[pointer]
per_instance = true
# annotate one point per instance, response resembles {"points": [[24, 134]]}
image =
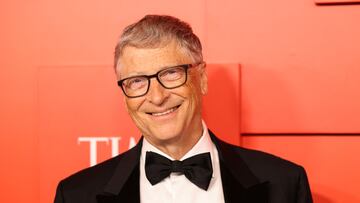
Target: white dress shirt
{"points": [[177, 188]]}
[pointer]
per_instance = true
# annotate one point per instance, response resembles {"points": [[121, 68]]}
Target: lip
{"points": [[166, 116]]}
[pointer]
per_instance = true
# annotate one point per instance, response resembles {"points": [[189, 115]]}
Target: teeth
{"points": [[165, 112]]}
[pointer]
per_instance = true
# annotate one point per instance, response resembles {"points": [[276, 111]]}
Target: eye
{"points": [[135, 83], [172, 74]]}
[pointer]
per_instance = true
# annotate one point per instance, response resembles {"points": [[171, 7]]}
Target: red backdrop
{"points": [[298, 94]]}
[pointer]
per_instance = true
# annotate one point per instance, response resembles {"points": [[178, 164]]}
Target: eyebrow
{"points": [[134, 74]]}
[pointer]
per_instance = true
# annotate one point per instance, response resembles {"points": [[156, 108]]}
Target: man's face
{"points": [[163, 115]]}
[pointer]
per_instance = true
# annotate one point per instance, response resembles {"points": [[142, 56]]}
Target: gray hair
{"points": [[154, 31]]}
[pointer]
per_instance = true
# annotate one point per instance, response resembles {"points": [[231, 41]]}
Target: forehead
{"points": [[135, 61]]}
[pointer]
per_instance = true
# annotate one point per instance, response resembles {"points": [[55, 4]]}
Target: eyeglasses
{"points": [[169, 78]]}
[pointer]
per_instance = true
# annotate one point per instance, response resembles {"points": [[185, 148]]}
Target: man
{"points": [[161, 72]]}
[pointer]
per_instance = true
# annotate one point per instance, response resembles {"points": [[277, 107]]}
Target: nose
{"points": [[157, 94]]}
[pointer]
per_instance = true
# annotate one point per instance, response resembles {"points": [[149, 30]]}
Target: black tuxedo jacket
{"points": [[248, 176]]}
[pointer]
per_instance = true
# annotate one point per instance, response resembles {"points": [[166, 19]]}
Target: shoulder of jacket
{"points": [[100, 173]]}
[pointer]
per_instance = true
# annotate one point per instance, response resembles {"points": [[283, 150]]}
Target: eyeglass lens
{"points": [[169, 78]]}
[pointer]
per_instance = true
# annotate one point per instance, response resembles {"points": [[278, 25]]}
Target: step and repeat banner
{"points": [[299, 87]]}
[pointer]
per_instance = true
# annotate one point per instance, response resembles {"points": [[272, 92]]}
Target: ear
{"points": [[203, 79]]}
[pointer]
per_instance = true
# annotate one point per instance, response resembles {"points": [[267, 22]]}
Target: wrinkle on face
{"points": [[174, 133]]}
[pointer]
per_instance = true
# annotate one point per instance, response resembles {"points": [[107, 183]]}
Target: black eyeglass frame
{"points": [[156, 75]]}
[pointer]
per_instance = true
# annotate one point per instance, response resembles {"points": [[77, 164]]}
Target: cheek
{"points": [[132, 105], [194, 95]]}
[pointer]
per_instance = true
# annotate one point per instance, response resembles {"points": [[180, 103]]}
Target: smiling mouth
{"points": [[168, 111]]}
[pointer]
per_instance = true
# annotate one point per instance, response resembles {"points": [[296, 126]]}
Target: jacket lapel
{"points": [[124, 184], [239, 183]]}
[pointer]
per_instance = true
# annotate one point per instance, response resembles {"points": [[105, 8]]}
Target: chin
{"points": [[164, 135]]}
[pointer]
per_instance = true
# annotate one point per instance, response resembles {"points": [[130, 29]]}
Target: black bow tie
{"points": [[197, 169]]}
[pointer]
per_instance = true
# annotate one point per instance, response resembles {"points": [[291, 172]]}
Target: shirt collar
{"points": [[203, 145]]}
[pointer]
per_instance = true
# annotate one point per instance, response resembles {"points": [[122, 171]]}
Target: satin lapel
{"points": [[124, 184], [239, 183]]}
